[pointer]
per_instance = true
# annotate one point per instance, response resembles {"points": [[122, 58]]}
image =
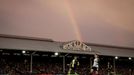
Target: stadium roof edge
{"points": [[109, 46], [25, 37], [44, 45], [50, 40]]}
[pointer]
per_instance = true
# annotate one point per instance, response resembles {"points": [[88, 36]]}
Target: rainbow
{"points": [[73, 21]]}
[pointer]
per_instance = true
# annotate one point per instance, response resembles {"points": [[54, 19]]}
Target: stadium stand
{"points": [[14, 62]]}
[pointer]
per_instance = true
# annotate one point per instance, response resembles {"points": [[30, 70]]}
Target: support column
{"points": [[31, 62], [114, 64], [64, 64], [31, 66]]}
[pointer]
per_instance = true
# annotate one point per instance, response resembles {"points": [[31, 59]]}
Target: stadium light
{"points": [[56, 53], [23, 52], [116, 57], [129, 58]]}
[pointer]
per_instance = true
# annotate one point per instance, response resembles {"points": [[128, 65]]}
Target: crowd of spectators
{"points": [[10, 66], [20, 65]]}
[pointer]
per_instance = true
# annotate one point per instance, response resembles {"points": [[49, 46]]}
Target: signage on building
{"points": [[76, 45]]}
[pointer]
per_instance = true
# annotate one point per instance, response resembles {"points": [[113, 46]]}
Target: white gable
{"points": [[76, 45]]}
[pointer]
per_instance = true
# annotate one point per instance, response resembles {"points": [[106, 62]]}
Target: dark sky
{"points": [[108, 22]]}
